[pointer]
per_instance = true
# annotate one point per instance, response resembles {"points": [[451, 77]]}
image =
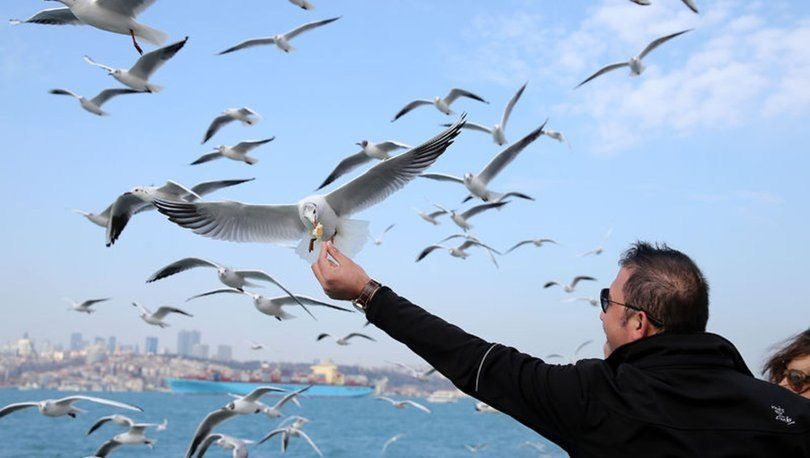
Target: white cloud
{"points": [[738, 64]]}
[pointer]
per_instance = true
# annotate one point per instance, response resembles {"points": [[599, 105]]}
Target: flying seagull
{"points": [[461, 250], [238, 446], [345, 339], [368, 152], [237, 152], [134, 436], [273, 305], [421, 375], [556, 135], [303, 4], [94, 105], [636, 67], [84, 306], [378, 240], [275, 410], [442, 105], [599, 249], [286, 433], [587, 299], [64, 406], [122, 420], [138, 200], [402, 404], [391, 441], [430, 217], [255, 345], [497, 131], [244, 405], [315, 218], [282, 41], [137, 77], [570, 287], [689, 3], [573, 358], [475, 448], [233, 278], [244, 115], [478, 184], [461, 218], [536, 242], [117, 16], [156, 319]]}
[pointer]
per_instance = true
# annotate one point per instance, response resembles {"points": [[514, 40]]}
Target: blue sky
{"points": [[705, 151]]}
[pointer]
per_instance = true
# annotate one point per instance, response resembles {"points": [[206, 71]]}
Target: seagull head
{"points": [[362, 143], [230, 406], [310, 213], [468, 177]]}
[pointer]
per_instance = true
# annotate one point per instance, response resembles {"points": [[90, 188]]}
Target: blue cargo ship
{"points": [[197, 386]]}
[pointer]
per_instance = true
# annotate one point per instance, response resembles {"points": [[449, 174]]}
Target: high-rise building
{"points": [[76, 342], [224, 352], [151, 345], [199, 351], [186, 341], [111, 342]]}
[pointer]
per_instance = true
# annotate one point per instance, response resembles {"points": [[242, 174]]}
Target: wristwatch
{"points": [[366, 294]]}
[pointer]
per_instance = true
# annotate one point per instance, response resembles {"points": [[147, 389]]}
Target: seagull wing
{"points": [[216, 124], [235, 221], [658, 42], [289, 396], [106, 448], [519, 244], [244, 147], [261, 391], [308, 26], [437, 213], [126, 205], [209, 439], [64, 92], [580, 278], [417, 405], [129, 8], [181, 266], [345, 166], [357, 334], [604, 70], [691, 5], [53, 16], [456, 236], [99, 423], [410, 106], [153, 60], [390, 175], [271, 434], [218, 291], [322, 336], [508, 110], [502, 159], [249, 44], [475, 126], [209, 422], [387, 229], [581, 346], [90, 302], [107, 94], [519, 195], [161, 312], [427, 251], [208, 157], [207, 187], [312, 444], [259, 275], [391, 145], [442, 176], [107, 402], [469, 213], [17, 406], [288, 300], [455, 93], [390, 441], [92, 62], [550, 284]]}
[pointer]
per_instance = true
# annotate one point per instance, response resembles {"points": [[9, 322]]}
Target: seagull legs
{"points": [[134, 42]]}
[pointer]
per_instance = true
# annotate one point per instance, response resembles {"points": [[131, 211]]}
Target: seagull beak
{"points": [[358, 144]]}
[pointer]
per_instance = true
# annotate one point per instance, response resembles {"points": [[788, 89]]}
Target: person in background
{"points": [[790, 366]]}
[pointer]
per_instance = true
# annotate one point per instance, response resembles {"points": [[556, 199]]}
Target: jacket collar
{"points": [[669, 349]]}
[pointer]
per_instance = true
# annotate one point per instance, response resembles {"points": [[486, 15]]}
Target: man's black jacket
{"points": [[666, 395]]}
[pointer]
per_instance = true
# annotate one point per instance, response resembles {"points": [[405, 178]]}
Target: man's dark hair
{"points": [[668, 285], [795, 347]]}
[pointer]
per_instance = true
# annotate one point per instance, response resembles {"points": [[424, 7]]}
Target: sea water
{"points": [[340, 427]]}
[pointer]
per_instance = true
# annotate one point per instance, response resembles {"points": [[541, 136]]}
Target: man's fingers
{"points": [[335, 253], [316, 269]]}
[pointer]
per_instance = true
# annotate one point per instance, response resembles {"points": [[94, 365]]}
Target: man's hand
{"points": [[344, 280]]}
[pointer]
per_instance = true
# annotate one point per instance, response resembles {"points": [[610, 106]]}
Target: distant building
{"points": [[151, 345], [199, 351], [111, 342], [224, 352], [186, 340], [25, 346], [76, 342], [100, 341], [327, 372]]}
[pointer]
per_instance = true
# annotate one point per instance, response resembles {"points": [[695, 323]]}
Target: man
{"points": [[665, 387]]}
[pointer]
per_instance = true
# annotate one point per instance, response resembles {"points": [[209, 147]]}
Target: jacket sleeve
{"points": [[545, 397]]}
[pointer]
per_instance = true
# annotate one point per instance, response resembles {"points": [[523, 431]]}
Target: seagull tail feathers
{"points": [[153, 88], [154, 36]]}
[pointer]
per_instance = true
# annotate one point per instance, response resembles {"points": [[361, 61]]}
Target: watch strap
{"points": [[366, 294]]}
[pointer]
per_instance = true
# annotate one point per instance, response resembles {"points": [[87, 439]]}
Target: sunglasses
{"points": [[604, 299], [797, 380]]}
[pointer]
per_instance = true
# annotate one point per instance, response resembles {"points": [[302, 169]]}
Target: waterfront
{"points": [[340, 427]]}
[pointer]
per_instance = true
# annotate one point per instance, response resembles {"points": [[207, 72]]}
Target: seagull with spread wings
{"points": [[461, 250], [273, 305], [430, 217], [536, 242], [156, 318], [84, 306], [238, 152], [689, 3], [64, 406], [137, 77], [497, 131], [368, 152], [315, 218], [244, 115], [461, 219], [379, 240], [117, 16], [343, 341], [94, 105], [441, 104], [569, 288], [282, 40], [636, 67], [402, 404], [478, 185], [237, 446]]}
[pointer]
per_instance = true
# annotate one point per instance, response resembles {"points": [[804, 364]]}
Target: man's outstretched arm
{"points": [[546, 398]]}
